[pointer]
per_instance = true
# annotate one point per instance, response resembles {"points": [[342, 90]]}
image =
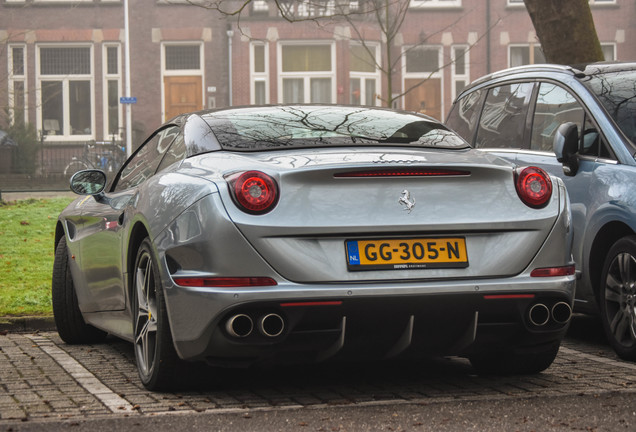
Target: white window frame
{"points": [[65, 79], [307, 76], [436, 4], [421, 75], [456, 77], [180, 72], [530, 46], [614, 46], [17, 78], [259, 76], [519, 3], [364, 77], [110, 77]]}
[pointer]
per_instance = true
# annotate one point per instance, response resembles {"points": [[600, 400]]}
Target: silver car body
{"points": [[329, 309]]}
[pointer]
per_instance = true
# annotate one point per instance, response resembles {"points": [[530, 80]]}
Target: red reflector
{"points": [[315, 303], [225, 282], [404, 172], [553, 271], [508, 296]]}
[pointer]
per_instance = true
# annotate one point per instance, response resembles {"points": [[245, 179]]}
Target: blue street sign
{"points": [[128, 100]]}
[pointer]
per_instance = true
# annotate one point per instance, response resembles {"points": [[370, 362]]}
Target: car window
{"points": [[555, 106], [463, 117], [592, 142], [143, 164], [305, 126], [175, 153], [615, 90], [503, 117]]}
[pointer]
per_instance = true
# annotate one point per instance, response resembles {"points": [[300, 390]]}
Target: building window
{"points": [[435, 3], [259, 77], [520, 55], [260, 7], [422, 80], [307, 73], [112, 92], [183, 57], [609, 51], [17, 82], [460, 69], [364, 75], [592, 2], [66, 87]]}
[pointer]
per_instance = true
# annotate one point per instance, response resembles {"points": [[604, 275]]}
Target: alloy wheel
{"points": [[146, 314], [620, 299]]}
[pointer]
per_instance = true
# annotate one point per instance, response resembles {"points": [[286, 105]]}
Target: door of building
{"points": [[183, 94], [426, 98]]}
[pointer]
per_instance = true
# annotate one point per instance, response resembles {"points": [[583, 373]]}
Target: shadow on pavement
{"points": [[587, 328]]}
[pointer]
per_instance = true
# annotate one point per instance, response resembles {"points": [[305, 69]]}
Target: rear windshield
{"points": [[284, 127], [617, 93]]}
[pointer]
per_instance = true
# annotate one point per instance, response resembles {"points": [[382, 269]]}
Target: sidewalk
{"points": [[23, 324], [18, 196]]}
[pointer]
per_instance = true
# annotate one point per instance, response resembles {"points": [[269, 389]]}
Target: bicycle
{"points": [[107, 156]]}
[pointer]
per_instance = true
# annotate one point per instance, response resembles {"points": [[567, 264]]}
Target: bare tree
{"points": [[370, 22], [566, 30]]}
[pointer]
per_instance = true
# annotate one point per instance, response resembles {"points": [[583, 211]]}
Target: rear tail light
{"points": [[253, 191], [534, 186]]}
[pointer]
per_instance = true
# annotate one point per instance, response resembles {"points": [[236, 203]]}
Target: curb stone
{"points": [[26, 324]]}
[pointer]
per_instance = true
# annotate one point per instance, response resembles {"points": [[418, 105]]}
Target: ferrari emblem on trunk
{"points": [[406, 200]]}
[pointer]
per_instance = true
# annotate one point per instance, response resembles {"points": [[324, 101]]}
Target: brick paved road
{"points": [[41, 378]]}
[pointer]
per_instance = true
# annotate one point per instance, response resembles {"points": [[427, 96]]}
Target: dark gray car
{"points": [[578, 124]]}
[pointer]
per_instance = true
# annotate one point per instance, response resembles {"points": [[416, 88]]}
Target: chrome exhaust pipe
{"points": [[239, 326], [271, 325], [539, 314], [561, 312]]}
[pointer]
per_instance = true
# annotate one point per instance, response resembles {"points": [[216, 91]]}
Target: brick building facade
{"points": [[65, 63]]}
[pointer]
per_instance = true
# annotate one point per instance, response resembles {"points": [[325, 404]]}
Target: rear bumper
{"points": [[321, 323]]}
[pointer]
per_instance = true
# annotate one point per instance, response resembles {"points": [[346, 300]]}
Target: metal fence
{"points": [[52, 164]]}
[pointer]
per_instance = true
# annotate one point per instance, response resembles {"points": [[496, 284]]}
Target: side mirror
{"points": [[88, 182], [566, 146]]}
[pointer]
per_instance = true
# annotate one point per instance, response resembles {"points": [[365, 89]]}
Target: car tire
{"points": [[157, 360], [617, 297], [68, 318], [514, 363]]}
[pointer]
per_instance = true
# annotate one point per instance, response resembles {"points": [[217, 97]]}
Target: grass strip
{"points": [[27, 233]]}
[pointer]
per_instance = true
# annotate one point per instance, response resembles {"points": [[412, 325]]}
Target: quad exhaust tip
{"points": [[561, 312], [540, 314], [271, 325], [239, 326]]}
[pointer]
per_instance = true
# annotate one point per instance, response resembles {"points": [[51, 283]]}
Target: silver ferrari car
{"points": [[266, 235]]}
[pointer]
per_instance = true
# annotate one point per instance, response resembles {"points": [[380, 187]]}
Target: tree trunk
{"points": [[566, 30]]}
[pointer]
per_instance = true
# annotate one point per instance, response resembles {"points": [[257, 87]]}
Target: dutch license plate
{"points": [[406, 254]]}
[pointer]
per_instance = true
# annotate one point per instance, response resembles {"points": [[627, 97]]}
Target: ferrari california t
{"points": [[267, 235]]}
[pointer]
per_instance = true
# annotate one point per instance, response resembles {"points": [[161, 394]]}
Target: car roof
{"points": [[578, 71]]}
